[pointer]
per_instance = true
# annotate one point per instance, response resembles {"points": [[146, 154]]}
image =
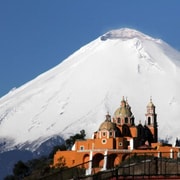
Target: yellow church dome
{"points": [[107, 124], [150, 104], [124, 110]]}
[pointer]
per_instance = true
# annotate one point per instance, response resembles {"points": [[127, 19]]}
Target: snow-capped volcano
{"points": [[77, 93]]}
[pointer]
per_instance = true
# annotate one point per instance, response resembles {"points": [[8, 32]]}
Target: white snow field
{"points": [[78, 93]]}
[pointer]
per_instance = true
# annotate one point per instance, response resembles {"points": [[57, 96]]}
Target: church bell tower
{"points": [[151, 120]]}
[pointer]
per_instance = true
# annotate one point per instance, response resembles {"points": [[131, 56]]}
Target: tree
{"points": [[38, 164], [20, 169], [72, 139], [56, 148], [83, 134], [10, 177]]}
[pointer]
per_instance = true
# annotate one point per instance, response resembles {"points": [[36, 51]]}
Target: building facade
{"points": [[115, 139]]}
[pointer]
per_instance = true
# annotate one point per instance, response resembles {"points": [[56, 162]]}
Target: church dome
{"points": [[124, 110], [107, 124], [150, 104]]}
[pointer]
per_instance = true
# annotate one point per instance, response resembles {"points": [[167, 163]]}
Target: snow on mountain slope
{"points": [[77, 93]]}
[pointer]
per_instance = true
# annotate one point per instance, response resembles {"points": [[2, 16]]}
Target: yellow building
{"points": [[115, 139]]}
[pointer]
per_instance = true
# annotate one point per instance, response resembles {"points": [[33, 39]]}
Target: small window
{"points": [[118, 120], [104, 141], [120, 143], [81, 148], [149, 121], [110, 133], [104, 134], [126, 120]]}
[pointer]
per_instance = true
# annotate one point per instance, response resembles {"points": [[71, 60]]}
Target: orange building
{"points": [[115, 139]]}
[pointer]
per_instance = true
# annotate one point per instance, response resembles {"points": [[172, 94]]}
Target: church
{"points": [[115, 139]]}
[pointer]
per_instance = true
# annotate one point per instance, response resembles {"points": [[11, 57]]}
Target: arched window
{"points": [[110, 134], [126, 120], [103, 134], [149, 120], [132, 121]]}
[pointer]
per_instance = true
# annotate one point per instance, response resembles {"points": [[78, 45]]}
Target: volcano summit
{"points": [[77, 93]]}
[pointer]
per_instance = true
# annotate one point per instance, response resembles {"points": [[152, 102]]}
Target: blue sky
{"points": [[36, 35]]}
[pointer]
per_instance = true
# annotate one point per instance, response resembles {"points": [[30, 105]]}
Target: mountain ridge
{"points": [[78, 92]]}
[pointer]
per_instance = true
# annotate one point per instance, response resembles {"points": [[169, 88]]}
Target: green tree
{"points": [[38, 164], [83, 134], [56, 148], [20, 169], [72, 139]]}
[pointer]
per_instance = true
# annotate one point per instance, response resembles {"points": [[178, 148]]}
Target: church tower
{"points": [[151, 120]]}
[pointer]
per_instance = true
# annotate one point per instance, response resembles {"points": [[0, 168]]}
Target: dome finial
{"points": [[108, 117], [123, 102], [127, 104], [151, 99], [150, 103]]}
